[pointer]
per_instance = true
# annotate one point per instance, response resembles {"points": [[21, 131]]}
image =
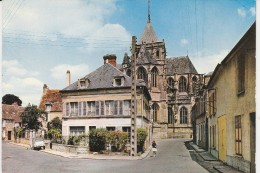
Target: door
{"points": [[222, 137], [252, 141], [9, 135]]}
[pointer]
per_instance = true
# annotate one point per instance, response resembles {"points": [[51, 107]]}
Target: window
{"points": [[170, 82], [109, 107], [241, 73], [77, 130], [126, 110], [91, 108], [154, 77], [102, 107], [238, 135], [110, 129], [182, 84], [183, 115], [115, 107], [74, 108], [157, 53], [212, 104], [92, 128], [155, 108], [170, 117], [141, 74], [214, 136], [128, 130]]}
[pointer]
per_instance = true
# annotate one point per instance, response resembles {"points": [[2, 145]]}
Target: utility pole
{"points": [[133, 100]]}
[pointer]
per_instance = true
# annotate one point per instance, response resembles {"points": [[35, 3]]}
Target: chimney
{"points": [[45, 89], [68, 78], [111, 59]]}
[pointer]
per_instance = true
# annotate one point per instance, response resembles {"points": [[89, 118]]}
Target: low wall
{"points": [[69, 148]]}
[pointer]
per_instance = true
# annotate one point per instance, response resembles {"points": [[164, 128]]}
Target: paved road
{"points": [[172, 157]]}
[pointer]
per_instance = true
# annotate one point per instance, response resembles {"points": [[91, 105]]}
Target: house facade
{"points": [[170, 81], [102, 99], [231, 107], [10, 120]]}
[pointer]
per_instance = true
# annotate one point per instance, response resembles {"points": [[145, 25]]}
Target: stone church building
{"points": [[171, 82]]}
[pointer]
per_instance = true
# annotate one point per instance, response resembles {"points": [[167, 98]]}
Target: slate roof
{"points": [[54, 97], [148, 35], [180, 65], [12, 112], [102, 78], [145, 58]]}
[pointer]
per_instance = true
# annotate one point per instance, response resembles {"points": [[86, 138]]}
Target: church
{"points": [[171, 81]]}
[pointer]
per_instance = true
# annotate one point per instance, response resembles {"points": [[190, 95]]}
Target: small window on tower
{"points": [[157, 54]]}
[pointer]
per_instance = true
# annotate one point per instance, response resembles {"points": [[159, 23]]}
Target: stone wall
{"points": [[69, 148], [239, 163]]}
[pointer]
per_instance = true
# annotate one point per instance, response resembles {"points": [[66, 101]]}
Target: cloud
{"points": [[14, 68], [241, 12], [109, 38], [21, 82], [207, 61], [184, 41], [28, 89], [77, 71], [252, 11]]}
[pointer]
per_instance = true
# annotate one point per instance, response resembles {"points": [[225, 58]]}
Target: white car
{"points": [[38, 143]]}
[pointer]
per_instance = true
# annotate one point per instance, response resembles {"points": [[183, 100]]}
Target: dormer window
{"points": [[83, 83], [118, 81]]}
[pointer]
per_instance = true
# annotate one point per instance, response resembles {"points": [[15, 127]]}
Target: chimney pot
{"points": [[68, 78], [110, 58]]}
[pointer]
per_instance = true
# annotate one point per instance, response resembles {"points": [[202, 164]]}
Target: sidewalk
{"points": [[211, 161], [89, 156]]}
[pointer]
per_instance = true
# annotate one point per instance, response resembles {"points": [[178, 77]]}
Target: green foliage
{"points": [[30, 117], [117, 139], [97, 139], [54, 134], [56, 123], [141, 137], [10, 99], [78, 140]]}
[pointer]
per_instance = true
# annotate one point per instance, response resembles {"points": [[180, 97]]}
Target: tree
{"points": [[10, 99], [30, 117], [55, 124]]}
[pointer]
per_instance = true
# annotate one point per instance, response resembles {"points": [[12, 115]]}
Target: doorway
{"points": [[252, 141], [9, 134], [222, 138]]}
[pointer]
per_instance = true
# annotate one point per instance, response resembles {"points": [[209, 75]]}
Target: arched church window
{"points": [[155, 108], [141, 74], [170, 82], [182, 84], [154, 77], [183, 115]]}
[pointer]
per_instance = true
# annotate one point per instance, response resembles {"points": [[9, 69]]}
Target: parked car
{"points": [[38, 143]]}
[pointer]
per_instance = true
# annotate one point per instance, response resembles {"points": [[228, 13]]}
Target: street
{"points": [[172, 157]]}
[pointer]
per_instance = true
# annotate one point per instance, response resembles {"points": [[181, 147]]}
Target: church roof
{"points": [[145, 58], [148, 36], [126, 59], [180, 65], [102, 78]]}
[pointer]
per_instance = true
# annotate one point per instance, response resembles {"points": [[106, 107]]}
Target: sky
{"points": [[41, 40]]}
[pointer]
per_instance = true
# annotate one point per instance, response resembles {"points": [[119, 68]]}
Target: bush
{"points": [[97, 139], [141, 137], [117, 139]]}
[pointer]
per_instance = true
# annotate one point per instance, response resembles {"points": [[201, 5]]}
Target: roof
{"points": [[102, 78], [180, 65], [126, 59], [148, 35], [52, 96], [12, 112], [145, 57]]}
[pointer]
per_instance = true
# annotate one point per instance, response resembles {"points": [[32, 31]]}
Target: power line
{"points": [[7, 21]]}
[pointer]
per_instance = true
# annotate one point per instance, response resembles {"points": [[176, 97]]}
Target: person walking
{"points": [[154, 148]]}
